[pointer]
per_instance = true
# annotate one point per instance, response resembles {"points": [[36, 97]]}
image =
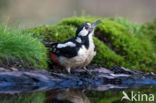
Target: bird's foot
{"points": [[68, 70], [85, 68]]}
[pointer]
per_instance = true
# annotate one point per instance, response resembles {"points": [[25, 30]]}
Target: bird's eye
{"points": [[87, 27]]}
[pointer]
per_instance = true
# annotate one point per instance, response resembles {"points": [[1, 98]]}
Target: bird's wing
{"points": [[61, 49], [67, 51]]}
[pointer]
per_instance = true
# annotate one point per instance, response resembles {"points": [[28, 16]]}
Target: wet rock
{"points": [[122, 70], [93, 79]]}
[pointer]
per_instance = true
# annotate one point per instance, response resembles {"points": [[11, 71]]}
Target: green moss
{"points": [[105, 54], [131, 27], [116, 43], [53, 33], [149, 29], [17, 48], [136, 51]]}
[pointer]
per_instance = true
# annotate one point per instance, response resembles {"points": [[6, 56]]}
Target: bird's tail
{"points": [[47, 44]]}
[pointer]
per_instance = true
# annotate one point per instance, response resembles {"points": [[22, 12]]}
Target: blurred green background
{"points": [[38, 12]]}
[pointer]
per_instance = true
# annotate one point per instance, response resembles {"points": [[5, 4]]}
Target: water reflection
{"points": [[75, 96], [68, 96]]}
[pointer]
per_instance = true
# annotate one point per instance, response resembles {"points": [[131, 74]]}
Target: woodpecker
{"points": [[76, 52]]}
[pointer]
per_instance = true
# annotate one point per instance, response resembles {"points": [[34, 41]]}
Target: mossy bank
{"points": [[21, 50], [118, 41]]}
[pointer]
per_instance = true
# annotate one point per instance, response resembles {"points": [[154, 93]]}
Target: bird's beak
{"points": [[93, 25]]}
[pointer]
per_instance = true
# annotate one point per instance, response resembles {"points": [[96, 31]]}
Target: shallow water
{"points": [[100, 94]]}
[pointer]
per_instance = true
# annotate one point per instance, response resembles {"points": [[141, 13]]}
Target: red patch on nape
{"points": [[54, 57]]}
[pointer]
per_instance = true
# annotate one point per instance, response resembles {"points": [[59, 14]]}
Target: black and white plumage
{"points": [[77, 51]]}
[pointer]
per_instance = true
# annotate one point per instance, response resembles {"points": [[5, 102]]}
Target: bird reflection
{"points": [[68, 96]]}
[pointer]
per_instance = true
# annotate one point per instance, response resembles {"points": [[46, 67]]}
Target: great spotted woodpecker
{"points": [[77, 51]]}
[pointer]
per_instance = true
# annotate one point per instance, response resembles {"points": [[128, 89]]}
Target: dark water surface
{"points": [[101, 94]]}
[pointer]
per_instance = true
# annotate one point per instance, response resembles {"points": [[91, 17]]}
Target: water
{"points": [[100, 94]]}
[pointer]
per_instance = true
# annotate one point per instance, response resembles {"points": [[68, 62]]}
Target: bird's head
{"points": [[87, 28]]}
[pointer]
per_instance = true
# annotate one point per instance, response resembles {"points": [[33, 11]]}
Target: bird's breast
{"points": [[86, 54]]}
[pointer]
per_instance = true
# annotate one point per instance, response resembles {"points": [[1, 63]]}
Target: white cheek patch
{"points": [[66, 44], [83, 32], [78, 40]]}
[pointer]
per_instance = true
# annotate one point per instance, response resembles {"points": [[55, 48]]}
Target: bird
{"points": [[76, 52]]}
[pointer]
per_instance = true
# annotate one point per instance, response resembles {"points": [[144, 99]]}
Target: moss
{"points": [[137, 53], [116, 43], [53, 33], [18, 49], [105, 54], [149, 29], [131, 27]]}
